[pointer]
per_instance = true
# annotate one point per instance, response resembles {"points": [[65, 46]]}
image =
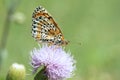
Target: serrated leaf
{"points": [[41, 74]]}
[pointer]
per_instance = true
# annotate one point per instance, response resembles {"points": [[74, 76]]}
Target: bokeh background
{"points": [[91, 26]]}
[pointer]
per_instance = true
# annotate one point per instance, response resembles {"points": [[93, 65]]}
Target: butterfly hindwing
{"points": [[45, 29]]}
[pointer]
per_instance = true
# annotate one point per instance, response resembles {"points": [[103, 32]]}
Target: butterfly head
{"points": [[65, 42]]}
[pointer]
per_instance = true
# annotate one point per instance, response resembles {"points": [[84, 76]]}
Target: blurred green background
{"points": [[91, 26]]}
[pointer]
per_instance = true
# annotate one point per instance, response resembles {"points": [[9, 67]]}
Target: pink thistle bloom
{"points": [[58, 64]]}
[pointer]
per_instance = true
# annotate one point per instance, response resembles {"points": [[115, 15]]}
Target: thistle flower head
{"points": [[58, 63]]}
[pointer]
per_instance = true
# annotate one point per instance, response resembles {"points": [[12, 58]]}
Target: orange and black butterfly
{"points": [[45, 29]]}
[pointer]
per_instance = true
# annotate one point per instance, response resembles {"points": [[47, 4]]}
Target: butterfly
{"points": [[45, 29]]}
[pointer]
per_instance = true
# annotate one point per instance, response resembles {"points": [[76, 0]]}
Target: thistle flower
{"points": [[58, 64]]}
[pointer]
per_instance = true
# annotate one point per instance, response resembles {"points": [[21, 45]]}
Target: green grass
{"points": [[91, 26]]}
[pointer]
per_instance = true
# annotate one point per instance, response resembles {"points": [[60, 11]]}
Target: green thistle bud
{"points": [[16, 72]]}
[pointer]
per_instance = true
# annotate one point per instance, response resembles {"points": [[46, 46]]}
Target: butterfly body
{"points": [[45, 29]]}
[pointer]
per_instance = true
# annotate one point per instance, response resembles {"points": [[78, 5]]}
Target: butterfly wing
{"points": [[44, 28]]}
